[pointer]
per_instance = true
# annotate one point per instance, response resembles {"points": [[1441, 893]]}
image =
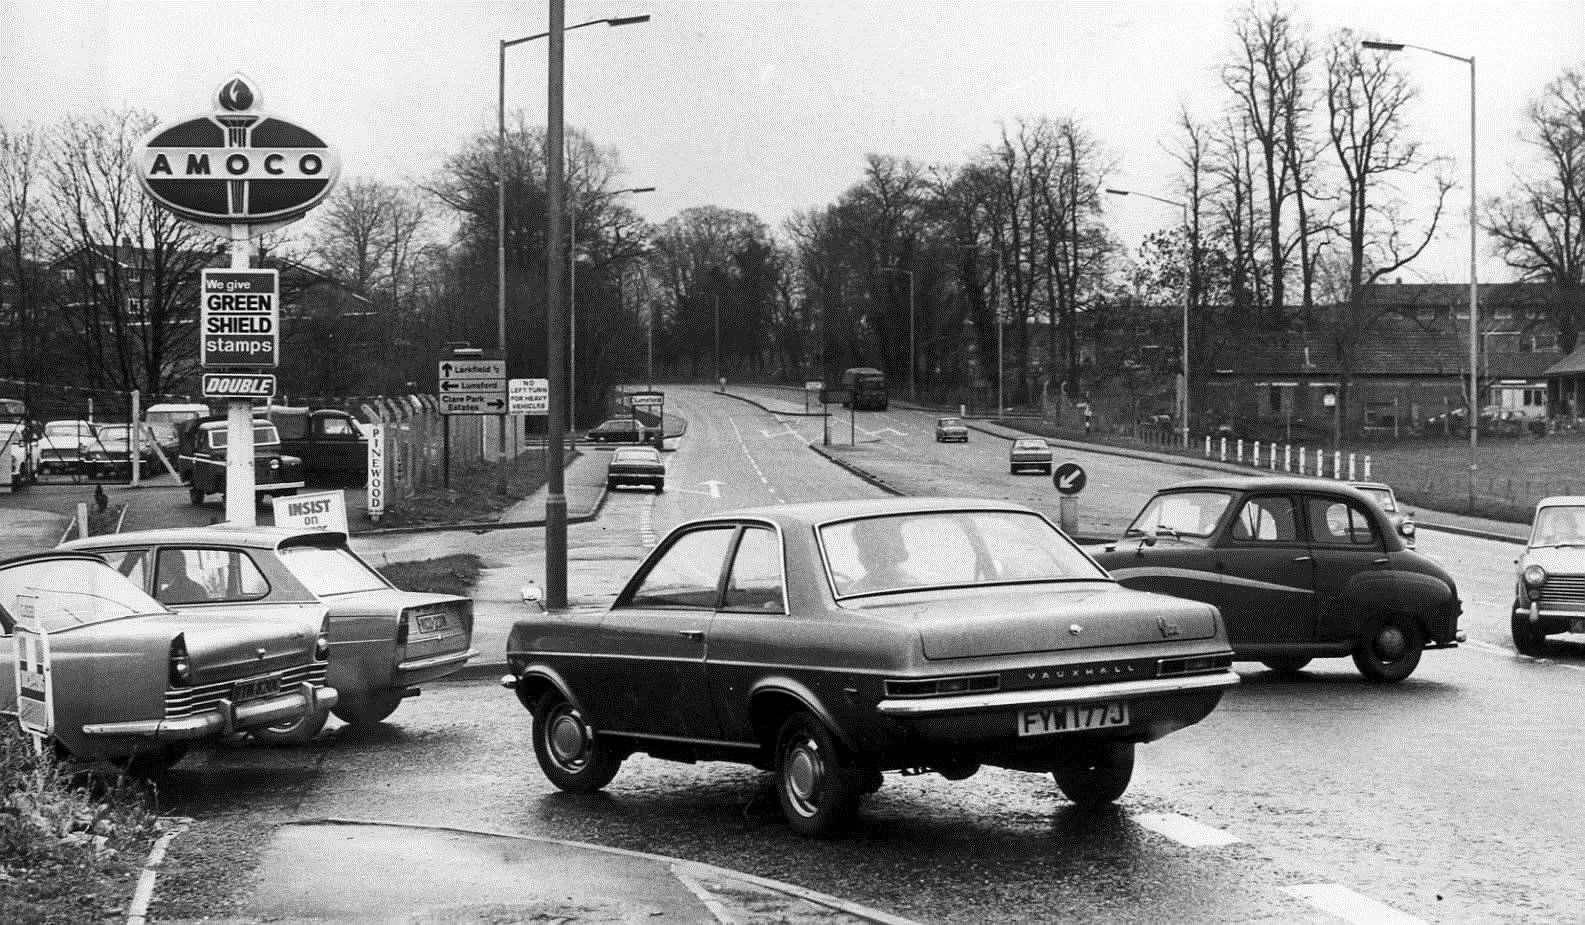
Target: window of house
{"points": [[1383, 414], [1535, 398], [68, 275]]}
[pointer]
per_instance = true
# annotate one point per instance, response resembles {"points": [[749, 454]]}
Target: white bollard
{"points": [[1207, 446], [1240, 451], [1367, 468], [1287, 457], [1351, 467], [1302, 454], [1254, 457], [1337, 464], [1223, 441]]}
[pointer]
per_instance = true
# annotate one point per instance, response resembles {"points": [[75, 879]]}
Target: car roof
{"points": [[811, 513], [1265, 483], [1561, 501], [223, 534]]}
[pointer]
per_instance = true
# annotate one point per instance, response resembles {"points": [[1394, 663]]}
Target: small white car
{"points": [[1549, 588], [1402, 520]]}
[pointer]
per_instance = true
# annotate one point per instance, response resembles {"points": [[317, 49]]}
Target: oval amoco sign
{"points": [[237, 165]]}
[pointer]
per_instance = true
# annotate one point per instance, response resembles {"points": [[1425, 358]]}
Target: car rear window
{"points": [[330, 570], [62, 593]]}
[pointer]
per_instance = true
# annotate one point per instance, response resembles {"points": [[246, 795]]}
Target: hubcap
{"points": [[1391, 644], [568, 739], [803, 773]]}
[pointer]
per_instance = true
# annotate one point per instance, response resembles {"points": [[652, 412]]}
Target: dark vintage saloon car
{"points": [[203, 461], [1549, 587], [132, 683], [383, 642], [1299, 568], [832, 641]]}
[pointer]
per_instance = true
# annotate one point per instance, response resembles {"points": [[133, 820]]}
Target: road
{"points": [[1441, 799]]}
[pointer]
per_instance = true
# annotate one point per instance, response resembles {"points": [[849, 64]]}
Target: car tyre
{"points": [[817, 787], [1528, 638], [153, 763], [367, 709], [1098, 775], [299, 731], [570, 752], [1391, 652], [1286, 665]]}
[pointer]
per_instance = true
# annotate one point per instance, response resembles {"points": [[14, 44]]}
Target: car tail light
{"points": [[935, 687], [401, 629], [181, 665], [1193, 664]]}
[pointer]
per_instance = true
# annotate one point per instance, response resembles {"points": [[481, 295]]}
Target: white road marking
{"points": [[786, 431], [138, 910], [1350, 906], [710, 902], [712, 489], [755, 463], [1186, 831]]}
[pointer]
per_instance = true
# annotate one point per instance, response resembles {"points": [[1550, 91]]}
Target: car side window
{"points": [[1335, 522], [335, 427], [132, 563], [201, 576], [688, 573], [755, 580], [1266, 519]]}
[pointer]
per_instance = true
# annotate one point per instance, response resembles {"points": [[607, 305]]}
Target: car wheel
{"points": [[569, 751], [1528, 637], [195, 495], [818, 790], [152, 763], [1391, 652], [299, 731], [1286, 665], [1098, 775], [367, 709]]}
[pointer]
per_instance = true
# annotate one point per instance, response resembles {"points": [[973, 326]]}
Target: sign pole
{"points": [[239, 419]]}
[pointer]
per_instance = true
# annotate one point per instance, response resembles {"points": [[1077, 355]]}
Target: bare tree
{"points": [[1540, 224], [22, 355]]}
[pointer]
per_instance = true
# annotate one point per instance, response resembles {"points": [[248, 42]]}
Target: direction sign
{"points": [[472, 368], [239, 317], [528, 396], [473, 385], [1069, 478], [239, 385]]}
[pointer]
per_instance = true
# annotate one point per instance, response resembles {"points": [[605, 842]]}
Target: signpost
{"points": [[239, 385], [237, 173], [376, 483], [472, 385], [35, 709], [326, 510], [528, 396], [1069, 479]]}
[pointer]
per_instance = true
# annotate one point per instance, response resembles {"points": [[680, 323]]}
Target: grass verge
{"points": [[447, 575], [477, 494]]}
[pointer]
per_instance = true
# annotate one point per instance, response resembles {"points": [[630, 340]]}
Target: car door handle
{"points": [[691, 634], [1303, 559]]}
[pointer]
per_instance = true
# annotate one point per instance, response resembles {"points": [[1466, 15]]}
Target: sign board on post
{"points": [[376, 482], [325, 510], [35, 711], [239, 385], [473, 385], [528, 396], [240, 318]]}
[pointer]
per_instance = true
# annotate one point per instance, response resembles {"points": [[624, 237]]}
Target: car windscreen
{"points": [[906, 552], [1180, 513], [62, 593], [1382, 497], [635, 456], [263, 435], [330, 570], [1561, 525]]}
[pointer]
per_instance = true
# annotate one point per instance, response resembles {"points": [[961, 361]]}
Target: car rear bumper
{"points": [[226, 718], [1088, 693], [419, 670]]}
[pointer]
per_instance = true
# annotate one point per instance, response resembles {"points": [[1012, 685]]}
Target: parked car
{"points": [[636, 465], [619, 430], [166, 420], [204, 460], [951, 430], [332, 445], [1402, 520], [134, 683], [1029, 453], [1549, 588], [109, 455], [21, 452], [383, 642], [831, 641], [1299, 568], [61, 446]]}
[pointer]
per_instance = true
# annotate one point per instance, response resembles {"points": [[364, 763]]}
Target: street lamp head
{"points": [[639, 189], [1384, 46], [1117, 192], [627, 20]]}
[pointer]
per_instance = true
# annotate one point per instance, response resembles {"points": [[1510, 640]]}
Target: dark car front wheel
{"points": [[1529, 638], [1098, 775], [1286, 665], [367, 709], [299, 731], [569, 751], [1391, 652], [817, 788]]}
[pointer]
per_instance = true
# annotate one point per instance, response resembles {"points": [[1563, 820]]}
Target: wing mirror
{"points": [[534, 597]]}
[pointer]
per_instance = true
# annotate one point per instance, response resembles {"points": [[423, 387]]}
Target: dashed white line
{"points": [[1186, 831], [1350, 906], [755, 463]]}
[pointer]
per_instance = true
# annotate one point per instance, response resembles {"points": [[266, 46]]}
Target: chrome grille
{"points": [[1563, 591], [186, 701]]}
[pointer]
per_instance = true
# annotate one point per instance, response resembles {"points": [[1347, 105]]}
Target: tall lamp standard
{"points": [[1472, 417], [555, 320], [913, 355], [572, 293], [1183, 397]]}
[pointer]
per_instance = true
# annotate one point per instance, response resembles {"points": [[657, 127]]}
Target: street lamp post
{"points": [[1183, 397], [555, 321], [913, 355], [1472, 418], [572, 294]]}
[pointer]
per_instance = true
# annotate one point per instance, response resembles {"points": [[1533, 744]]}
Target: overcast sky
{"points": [[767, 107]]}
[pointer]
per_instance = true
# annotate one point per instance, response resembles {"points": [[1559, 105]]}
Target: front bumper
{"points": [[226, 717]]}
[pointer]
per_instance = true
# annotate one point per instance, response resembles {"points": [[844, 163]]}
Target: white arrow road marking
{"points": [[786, 431], [885, 430], [1350, 906], [713, 486]]}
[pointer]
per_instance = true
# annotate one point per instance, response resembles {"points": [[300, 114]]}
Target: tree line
{"points": [[995, 278]]}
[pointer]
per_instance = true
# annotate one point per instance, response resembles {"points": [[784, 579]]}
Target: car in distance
{"points": [[204, 461], [1299, 568], [951, 430], [61, 446], [21, 451], [132, 682], [829, 642], [1382, 494], [1029, 453], [383, 642], [636, 465], [1549, 589], [619, 430]]}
